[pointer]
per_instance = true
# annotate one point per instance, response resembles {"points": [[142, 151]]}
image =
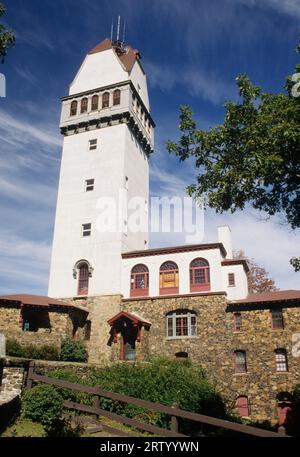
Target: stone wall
{"points": [[216, 341], [59, 324]]}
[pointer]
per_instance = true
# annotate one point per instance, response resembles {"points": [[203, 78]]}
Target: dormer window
{"points": [[116, 97], [105, 100], [73, 109], [84, 105]]}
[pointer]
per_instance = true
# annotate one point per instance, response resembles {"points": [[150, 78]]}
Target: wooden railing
{"points": [[172, 411]]}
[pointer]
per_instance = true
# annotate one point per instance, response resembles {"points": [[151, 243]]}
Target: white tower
{"points": [[108, 136]]}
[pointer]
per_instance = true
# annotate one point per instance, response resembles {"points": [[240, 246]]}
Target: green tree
{"points": [[7, 37], [253, 157]]}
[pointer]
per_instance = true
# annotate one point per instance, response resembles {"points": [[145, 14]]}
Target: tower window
{"points": [[181, 323], [86, 229], [83, 279], [93, 144], [84, 105], [281, 360], [237, 322], [95, 102], [89, 185], [73, 110], [277, 318], [240, 362], [231, 279], [116, 97], [105, 100]]}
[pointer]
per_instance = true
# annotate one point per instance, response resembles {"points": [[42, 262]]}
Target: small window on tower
{"points": [[105, 100], [117, 97], [84, 105], [93, 145], [95, 102], [231, 280], [89, 185], [86, 229], [73, 110]]}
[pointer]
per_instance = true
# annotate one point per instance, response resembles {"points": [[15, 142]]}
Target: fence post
{"points": [[29, 375], [96, 404], [174, 420]]}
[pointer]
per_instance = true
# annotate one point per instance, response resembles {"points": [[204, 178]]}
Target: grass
{"points": [[24, 428]]}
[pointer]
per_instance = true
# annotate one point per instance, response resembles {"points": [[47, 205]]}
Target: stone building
{"points": [[130, 302]]}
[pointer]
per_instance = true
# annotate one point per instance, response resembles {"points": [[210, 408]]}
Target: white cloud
{"points": [[289, 7]]}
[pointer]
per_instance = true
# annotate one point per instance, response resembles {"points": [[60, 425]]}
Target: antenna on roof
{"points": [[124, 29], [112, 29], [118, 28]]}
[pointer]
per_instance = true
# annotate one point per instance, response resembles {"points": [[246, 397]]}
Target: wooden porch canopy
{"points": [[137, 322]]}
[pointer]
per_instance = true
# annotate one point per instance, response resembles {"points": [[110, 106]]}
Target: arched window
{"points": [[242, 405], [181, 323], [281, 360], [117, 97], [73, 110], [168, 278], [84, 105], [95, 102], [240, 364], [105, 100], [139, 281], [82, 271], [199, 275]]}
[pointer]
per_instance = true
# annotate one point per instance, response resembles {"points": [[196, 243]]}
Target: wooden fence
{"points": [[96, 411]]}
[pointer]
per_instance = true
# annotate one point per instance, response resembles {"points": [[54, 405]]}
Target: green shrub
{"points": [[73, 351], [44, 404], [30, 351]]}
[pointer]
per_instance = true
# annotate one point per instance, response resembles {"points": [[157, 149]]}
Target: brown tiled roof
{"points": [[173, 249], [236, 262], [36, 300], [277, 296], [127, 59]]}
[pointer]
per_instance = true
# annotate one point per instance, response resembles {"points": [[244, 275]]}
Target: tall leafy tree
{"points": [[253, 157], [258, 278], [7, 37]]}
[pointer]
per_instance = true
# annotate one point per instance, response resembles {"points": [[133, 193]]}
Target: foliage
{"points": [[44, 352], [253, 157], [162, 381], [7, 37], [44, 404], [258, 278], [73, 351]]}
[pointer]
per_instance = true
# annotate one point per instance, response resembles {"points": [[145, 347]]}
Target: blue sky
{"points": [[192, 51]]}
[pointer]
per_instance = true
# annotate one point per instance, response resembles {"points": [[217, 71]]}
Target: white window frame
{"points": [[192, 329]]}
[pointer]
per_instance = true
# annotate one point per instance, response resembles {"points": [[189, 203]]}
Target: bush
{"points": [[72, 351], [161, 381], [44, 404], [30, 351]]}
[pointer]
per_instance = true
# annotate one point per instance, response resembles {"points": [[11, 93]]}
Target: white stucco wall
{"points": [[240, 290]]}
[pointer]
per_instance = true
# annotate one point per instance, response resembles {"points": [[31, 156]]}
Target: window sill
{"points": [[170, 338]]}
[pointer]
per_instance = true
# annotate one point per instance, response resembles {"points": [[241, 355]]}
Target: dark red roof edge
{"points": [[173, 249]]}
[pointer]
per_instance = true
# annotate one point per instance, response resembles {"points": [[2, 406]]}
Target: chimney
{"points": [[224, 235]]}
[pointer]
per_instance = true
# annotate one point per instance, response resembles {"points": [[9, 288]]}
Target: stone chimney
{"points": [[224, 235]]}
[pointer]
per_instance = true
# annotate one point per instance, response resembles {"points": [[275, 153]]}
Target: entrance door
{"points": [[129, 351]]}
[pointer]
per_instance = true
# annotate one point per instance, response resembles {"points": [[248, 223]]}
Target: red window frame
{"points": [[169, 270], [242, 405], [83, 279], [199, 267], [237, 322], [277, 319], [139, 273]]}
